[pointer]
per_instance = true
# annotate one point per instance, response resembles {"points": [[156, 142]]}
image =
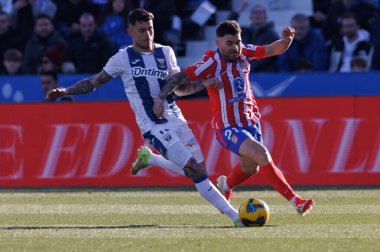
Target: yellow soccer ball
{"points": [[254, 213]]}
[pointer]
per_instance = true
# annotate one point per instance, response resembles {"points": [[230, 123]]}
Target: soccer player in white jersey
{"points": [[143, 68]]}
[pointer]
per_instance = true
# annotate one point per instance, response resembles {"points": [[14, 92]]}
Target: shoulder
{"points": [[164, 48]]}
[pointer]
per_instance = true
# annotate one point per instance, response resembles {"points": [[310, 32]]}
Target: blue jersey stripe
{"points": [[162, 65], [142, 86]]}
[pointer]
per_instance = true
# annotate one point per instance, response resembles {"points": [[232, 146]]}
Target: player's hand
{"points": [[288, 34], [55, 93], [213, 83], [158, 108]]}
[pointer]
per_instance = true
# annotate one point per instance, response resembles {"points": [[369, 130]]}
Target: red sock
{"points": [[236, 177], [277, 180]]}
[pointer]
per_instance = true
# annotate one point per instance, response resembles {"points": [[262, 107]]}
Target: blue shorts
{"points": [[232, 137]]}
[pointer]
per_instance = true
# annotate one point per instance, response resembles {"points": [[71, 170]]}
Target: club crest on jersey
{"points": [[161, 63], [239, 85]]}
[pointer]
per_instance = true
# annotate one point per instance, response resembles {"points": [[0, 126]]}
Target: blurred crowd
{"points": [[78, 36]]}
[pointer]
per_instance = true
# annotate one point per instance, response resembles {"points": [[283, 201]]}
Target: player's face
{"points": [[142, 34], [230, 46]]}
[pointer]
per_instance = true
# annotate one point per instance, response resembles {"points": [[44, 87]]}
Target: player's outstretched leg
{"points": [[146, 158], [208, 191]]}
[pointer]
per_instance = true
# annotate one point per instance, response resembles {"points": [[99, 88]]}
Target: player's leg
{"points": [[256, 151], [198, 173], [146, 158], [239, 174], [167, 142]]}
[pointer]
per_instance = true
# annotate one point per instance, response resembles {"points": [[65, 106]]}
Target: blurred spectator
{"points": [[52, 59], [358, 64], [308, 46], [49, 81], [69, 12], [89, 50], [116, 22], [234, 15], [12, 62], [363, 9], [8, 38], [47, 7], [261, 32], [355, 42], [22, 20], [44, 37]]}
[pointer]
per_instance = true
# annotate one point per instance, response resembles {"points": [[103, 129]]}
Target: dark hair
{"points": [[44, 16], [348, 15], [50, 73], [139, 15], [12, 55], [228, 27]]}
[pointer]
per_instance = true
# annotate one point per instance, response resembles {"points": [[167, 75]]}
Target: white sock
{"points": [[293, 200], [225, 186], [212, 195], [158, 160]]}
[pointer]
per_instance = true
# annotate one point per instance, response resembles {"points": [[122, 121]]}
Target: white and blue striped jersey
{"points": [[143, 75]]}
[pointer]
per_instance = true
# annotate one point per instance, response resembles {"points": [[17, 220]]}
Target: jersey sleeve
{"points": [[173, 67], [254, 52], [202, 69], [115, 65]]}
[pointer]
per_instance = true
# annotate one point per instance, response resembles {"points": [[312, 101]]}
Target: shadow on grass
{"points": [[134, 226]]}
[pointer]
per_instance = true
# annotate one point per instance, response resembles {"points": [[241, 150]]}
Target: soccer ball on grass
{"points": [[254, 213]]}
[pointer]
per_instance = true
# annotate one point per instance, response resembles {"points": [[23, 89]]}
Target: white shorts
{"points": [[175, 142]]}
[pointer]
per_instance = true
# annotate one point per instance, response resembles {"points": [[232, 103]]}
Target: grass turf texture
{"points": [[151, 220]]}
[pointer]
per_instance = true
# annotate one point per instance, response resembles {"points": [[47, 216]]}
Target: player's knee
{"points": [[251, 169], [264, 157], [194, 170]]}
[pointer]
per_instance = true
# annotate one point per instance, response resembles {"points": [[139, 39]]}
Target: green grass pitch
{"points": [[173, 220]]}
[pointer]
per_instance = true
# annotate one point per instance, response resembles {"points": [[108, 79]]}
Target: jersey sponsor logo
{"points": [[149, 72], [236, 99], [239, 85]]}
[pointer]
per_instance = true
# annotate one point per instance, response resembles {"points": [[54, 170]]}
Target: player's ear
{"points": [[129, 30], [217, 42]]}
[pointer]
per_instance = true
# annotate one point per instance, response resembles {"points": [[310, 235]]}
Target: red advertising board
{"points": [[315, 141]]}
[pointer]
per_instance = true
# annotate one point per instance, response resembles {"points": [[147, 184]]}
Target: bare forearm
{"points": [[178, 79], [81, 87], [88, 85], [189, 88], [277, 47]]}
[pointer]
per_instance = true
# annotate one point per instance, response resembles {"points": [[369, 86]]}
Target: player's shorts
{"points": [[176, 142], [232, 137]]}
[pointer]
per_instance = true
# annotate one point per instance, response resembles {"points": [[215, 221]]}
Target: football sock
{"points": [[235, 178], [158, 160], [277, 180], [212, 195]]}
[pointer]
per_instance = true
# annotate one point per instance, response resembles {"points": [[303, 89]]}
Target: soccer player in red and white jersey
{"points": [[235, 112]]}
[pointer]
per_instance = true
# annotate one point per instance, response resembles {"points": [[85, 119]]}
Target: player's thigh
{"points": [[166, 141], [187, 137]]}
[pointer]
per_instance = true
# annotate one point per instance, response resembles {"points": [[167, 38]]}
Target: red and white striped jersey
{"points": [[234, 104]]}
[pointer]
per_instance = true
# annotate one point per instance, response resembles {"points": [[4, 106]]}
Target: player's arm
{"points": [[196, 86], [81, 87], [281, 45]]}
